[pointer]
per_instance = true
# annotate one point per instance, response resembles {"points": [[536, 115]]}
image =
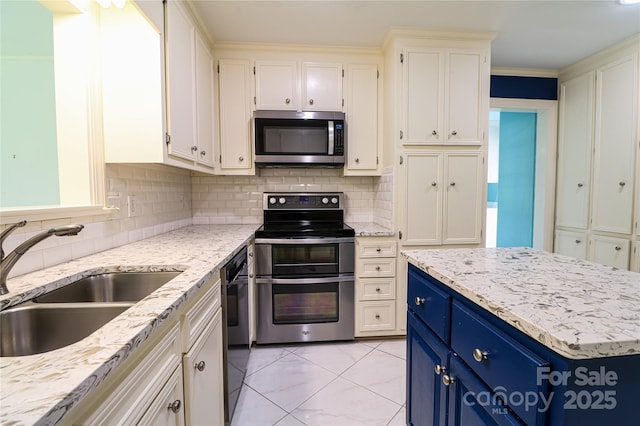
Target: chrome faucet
{"points": [[6, 233], [8, 262]]}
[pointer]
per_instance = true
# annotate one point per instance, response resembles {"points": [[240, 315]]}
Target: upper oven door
{"points": [[287, 137], [304, 257]]}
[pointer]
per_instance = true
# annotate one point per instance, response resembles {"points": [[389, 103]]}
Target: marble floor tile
{"points": [[289, 381], [345, 403], [335, 357], [263, 356], [382, 373], [399, 419], [290, 420], [254, 409], [397, 347]]}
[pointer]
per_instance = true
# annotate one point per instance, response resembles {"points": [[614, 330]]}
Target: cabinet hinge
{"points": [[400, 235], [343, 73], [218, 68], [402, 58], [377, 160], [342, 101], [254, 70], [220, 158], [378, 74], [254, 100], [401, 134], [401, 160], [167, 138]]}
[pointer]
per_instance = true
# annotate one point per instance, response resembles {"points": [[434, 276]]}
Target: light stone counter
{"points": [[370, 229], [40, 389], [576, 308]]}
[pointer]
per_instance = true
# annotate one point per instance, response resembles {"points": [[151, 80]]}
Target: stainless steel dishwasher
{"points": [[235, 311]]}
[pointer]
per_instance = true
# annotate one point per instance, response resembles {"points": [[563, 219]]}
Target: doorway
{"points": [[521, 173]]}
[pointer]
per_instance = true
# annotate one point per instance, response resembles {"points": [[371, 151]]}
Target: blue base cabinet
{"points": [[467, 367]]}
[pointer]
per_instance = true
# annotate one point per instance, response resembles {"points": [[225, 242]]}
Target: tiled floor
{"points": [[327, 384]]}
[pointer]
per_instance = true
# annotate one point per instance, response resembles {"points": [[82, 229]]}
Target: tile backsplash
{"points": [[168, 198]]}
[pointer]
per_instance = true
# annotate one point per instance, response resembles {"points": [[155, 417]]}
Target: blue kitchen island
{"points": [[519, 336]]}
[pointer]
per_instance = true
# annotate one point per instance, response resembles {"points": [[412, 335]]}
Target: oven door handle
{"points": [[298, 241], [323, 280]]}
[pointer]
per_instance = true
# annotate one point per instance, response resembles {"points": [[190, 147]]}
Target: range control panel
{"points": [[300, 201]]}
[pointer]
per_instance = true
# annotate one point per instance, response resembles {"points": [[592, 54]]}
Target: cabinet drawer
{"points": [[377, 249], [430, 304], [496, 358], [371, 268], [378, 315], [377, 288], [196, 319]]}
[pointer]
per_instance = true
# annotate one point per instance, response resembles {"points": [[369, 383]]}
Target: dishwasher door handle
{"points": [[323, 280]]}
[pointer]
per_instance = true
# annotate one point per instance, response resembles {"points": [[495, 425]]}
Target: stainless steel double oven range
{"points": [[304, 269]]}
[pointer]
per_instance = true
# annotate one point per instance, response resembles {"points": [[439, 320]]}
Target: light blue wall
{"points": [[28, 141], [516, 187]]}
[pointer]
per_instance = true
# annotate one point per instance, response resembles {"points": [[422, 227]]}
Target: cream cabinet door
{"points": [[574, 151], [422, 96], [462, 191], [637, 258], [463, 111], [203, 377], [573, 244], [609, 251], [322, 86], [362, 114], [181, 63], [204, 104], [422, 194], [235, 117], [277, 85], [168, 407], [615, 144]]}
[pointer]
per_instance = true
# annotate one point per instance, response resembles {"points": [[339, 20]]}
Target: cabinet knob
{"points": [[200, 366], [310, 101], [241, 158], [448, 380], [452, 184], [434, 184], [287, 101], [357, 160], [419, 300], [618, 248], [194, 148], [377, 268], [580, 185], [453, 133], [377, 289], [622, 183], [203, 153], [378, 249], [578, 241], [377, 316], [480, 355], [175, 406], [439, 369], [434, 133]]}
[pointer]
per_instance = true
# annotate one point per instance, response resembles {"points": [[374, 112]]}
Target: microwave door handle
{"points": [[331, 137]]}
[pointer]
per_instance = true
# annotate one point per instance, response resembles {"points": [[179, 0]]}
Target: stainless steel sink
{"points": [[109, 287], [32, 329]]}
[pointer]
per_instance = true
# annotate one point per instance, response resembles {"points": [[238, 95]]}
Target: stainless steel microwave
{"points": [[290, 138]]}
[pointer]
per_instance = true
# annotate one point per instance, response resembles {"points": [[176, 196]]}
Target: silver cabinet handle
{"points": [[194, 148], [287, 101], [378, 249], [174, 406], [580, 185], [454, 133], [622, 183], [452, 184], [241, 158], [377, 268], [377, 289], [578, 241], [439, 369], [310, 101], [434, 184], [377, 316], [419, 300], [357, 160], [200, 366], [203, 153], [434, 133], [480, 355], [448, 380], [618, 248]]}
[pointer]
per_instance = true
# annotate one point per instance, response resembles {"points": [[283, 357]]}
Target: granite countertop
{"points": [[370, 229], [41, 388], [578, 309]]}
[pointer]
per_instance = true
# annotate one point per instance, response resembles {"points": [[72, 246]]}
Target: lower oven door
{"points": [[305, 309]]}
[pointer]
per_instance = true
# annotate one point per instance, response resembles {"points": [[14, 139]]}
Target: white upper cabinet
{"points": [[443, 96], [234, 81], [363, 145], [615, 145], [322, 86], [574, 151], [277, 85], [205, 105], [307, 86]]}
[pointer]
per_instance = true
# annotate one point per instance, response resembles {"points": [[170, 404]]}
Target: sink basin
{"points": [[33, 329], [109, 287]]}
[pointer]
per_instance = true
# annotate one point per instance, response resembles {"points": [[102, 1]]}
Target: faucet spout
{"points": [[6, 233], [8, 262]]}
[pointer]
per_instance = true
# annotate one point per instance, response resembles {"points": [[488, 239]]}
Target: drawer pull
{"points": [[377, 289], [419, 300], [439, 369], [377, 316], [618, 248], [448, 380], [200, 366], [377, 268], [480, 355], [378, 249], [174, 406]]}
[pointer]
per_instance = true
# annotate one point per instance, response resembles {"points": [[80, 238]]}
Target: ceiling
{"points": [[540, 34]]}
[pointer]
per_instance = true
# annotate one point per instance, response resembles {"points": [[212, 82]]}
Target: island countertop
{"points": [[576, 308], [41, 388]]}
